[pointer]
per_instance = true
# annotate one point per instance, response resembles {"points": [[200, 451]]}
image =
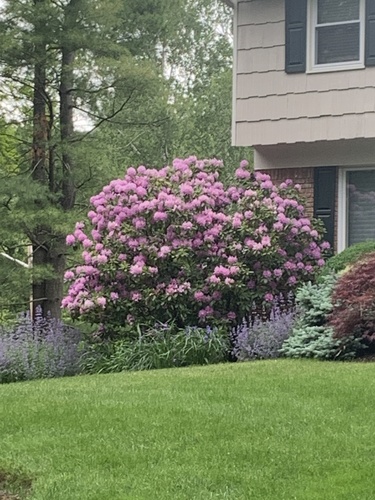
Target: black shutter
{"points": [[370, 33], [295, 35], [325, 199]]}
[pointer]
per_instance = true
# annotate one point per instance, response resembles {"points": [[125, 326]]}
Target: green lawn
{"points": [[263, 430]]}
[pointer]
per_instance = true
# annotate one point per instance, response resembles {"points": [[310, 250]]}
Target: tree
{"points": [[58, 55]]}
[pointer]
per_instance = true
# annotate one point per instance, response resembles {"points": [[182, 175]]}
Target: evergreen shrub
{"points": [[177, 245], [347, 257], [312, 336]]}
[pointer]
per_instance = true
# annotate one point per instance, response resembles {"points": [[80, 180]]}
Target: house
{"points": [[304, 98]]}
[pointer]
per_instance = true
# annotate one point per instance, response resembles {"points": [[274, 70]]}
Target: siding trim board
{"points": [[234, 74], [312, 104], [264, 84]]}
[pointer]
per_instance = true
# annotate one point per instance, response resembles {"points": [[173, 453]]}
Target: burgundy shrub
{"points": [[354, 302]]}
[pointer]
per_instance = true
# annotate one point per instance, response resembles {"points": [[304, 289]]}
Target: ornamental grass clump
{"points": [[42, 348], [162, 346], [176, 244]]}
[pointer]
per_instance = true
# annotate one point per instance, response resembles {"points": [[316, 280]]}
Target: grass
{"points": [[281, 429]]}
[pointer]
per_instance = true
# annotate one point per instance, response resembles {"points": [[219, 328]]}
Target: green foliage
{"points": [[347, 257], [9, 154], [161, 347], [312, 337], [204, 122]]}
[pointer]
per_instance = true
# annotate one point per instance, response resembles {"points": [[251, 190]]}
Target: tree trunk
{"points": [[49, 247], [48, 293], [67, 128], [39, 158]]}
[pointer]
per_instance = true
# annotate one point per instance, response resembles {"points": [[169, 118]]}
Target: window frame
{"points": [[312, 23], [343, 206]]}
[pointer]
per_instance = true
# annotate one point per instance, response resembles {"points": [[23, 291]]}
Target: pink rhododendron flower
{"points": [[86, 243], [69, 275], [242, 173], [199, 296], [70, 239], [187, 225], [136, 296], [101, 301], [136, 269], [164, 250], [268, 297], [160, 216]]}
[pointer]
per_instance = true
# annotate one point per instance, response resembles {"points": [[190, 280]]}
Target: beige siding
{"points": [[273, 107]]}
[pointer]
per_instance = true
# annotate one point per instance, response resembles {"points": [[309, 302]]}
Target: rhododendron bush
{"points": [[176, 244]]}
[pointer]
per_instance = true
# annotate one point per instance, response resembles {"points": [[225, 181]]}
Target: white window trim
{"points": [[312, 13], [342, 206]]}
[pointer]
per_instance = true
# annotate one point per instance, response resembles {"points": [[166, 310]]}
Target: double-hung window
{"points": [[329, 35], [356, 206], [336, 31]]}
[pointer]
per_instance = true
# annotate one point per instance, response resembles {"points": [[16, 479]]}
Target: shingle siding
{"points": [[273, 107]]}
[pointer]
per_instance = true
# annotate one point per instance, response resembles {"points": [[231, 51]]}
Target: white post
{"points": [[30, 266]]}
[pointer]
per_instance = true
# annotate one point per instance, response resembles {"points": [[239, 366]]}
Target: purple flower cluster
{"points": [[262, 338], [176, 243], [38, 349]]}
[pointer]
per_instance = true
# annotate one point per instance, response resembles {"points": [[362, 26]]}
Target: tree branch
{"points": [[105, 119]]}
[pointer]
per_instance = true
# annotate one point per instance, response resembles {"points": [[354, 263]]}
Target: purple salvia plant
{"points": [[258, 337], [42, 348]]}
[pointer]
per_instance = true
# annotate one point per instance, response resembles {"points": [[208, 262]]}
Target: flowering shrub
{"points": [[176, 244], [260, 338], [38, 349]]}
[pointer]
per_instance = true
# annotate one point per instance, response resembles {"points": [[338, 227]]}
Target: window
{"points": [[356, 206], [329, 35], [335, 34]]}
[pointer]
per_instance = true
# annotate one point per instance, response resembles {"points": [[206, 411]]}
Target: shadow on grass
{"points": [[14, 485]]}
